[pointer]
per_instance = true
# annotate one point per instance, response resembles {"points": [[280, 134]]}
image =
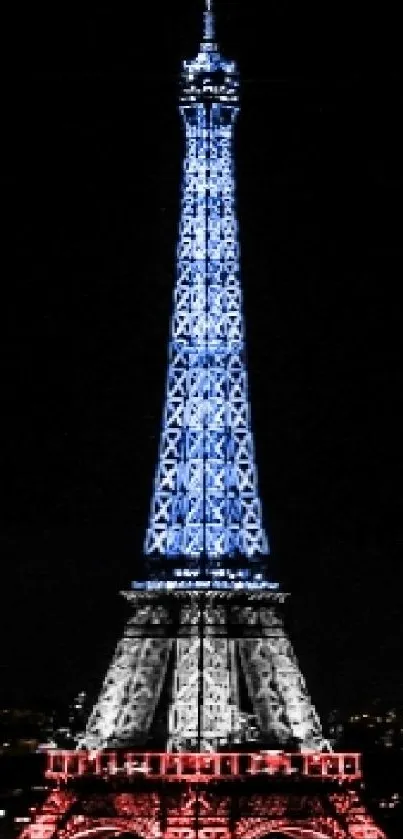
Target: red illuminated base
{"points": [[241, 797]]}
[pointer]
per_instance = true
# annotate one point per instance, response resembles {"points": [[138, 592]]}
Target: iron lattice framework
{"points": [[206, 641], [197, 811], [205, 510], [203, 645], [205, 541], [205, 501]]}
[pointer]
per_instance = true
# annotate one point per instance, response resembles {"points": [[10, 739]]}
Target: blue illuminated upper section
{"points": [[205, 502]]}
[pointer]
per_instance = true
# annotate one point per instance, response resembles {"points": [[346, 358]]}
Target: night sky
{"points": [[90, 171]]}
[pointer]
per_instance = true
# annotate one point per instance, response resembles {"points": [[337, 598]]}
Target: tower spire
{"points": [[209, 22]]}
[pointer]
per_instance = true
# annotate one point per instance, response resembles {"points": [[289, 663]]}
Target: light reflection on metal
{"points": [[201, 643], [205, 537], [205, 500], [192, 811], [213, 618]]}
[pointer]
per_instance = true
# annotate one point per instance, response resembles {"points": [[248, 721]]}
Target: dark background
{"points": [[90, 172]]}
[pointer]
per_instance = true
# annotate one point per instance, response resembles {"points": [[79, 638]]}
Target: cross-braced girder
{"points": [[204, 712], [205, 500], [211, 623], [206, 639], [126, 706], [197, 812], [205, 506], [281, 700]]}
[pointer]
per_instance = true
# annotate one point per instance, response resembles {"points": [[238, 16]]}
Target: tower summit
{"points": [[209, 22]]}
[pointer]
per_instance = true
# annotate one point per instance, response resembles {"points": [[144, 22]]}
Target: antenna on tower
{"points": [[208, 31]]}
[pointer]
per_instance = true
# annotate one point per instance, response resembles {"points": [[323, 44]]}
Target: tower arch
{"points": [[290, 830], [109, 829]]}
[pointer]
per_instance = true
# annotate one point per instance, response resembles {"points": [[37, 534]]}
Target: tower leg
{"points": [[126, 706], [204, 713], [276, 686]]}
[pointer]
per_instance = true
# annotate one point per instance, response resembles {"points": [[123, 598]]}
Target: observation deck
{"points": [[227, 576], [209, 77], [63, 766]]}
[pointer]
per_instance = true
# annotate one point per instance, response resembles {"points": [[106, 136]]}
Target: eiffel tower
{"points": [[204, 725]]}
